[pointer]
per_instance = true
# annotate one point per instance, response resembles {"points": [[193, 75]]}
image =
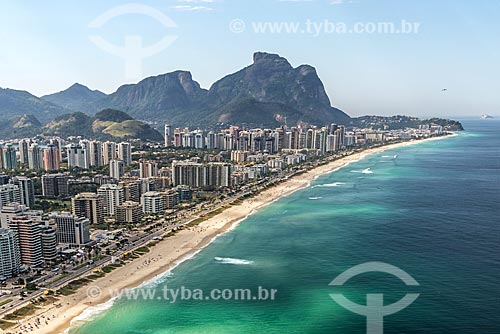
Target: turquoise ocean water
{"points": [[432, 209]]}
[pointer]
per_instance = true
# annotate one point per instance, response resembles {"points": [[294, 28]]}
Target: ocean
{"points": [[431, 209]]}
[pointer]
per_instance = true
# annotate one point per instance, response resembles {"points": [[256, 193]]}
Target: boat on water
{"points": [[485, 116]]}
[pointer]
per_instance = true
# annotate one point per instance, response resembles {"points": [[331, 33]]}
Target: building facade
{"points": [[30, 241], [129, 213], [71, 230], [113, 196], [10, 256], [88, 205]]}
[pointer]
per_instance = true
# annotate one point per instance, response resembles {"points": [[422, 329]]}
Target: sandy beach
{"points": [[167, 253]]}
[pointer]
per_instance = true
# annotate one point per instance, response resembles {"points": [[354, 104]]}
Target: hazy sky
{"points": [[46, 47]]}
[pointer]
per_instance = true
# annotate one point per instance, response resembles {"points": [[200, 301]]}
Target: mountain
{"points": [[261, 114], [271, 79], [164, 97], [105, 125], [16, 103], [400, 122], [266, 93], [118, 124], [74, 124], [76, 98], [269, 92], [19, 126], [26, 122]]}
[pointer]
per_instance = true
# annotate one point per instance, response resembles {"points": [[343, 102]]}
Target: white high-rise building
{"points": [[109, 152], [125, 153], [9, 193], [10, 256], [152, 202], [113, 196], [86, 146], [77, 156], [27, 190], [168, 135], [35, 157], [71, 230], [116, 169], [199, 140]]}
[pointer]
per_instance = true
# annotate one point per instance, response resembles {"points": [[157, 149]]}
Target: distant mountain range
{"points": [[16, 103], [400, 122], [268, 93], [76, 98], [108, 124]]}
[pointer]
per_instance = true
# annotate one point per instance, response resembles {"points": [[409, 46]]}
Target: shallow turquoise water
{"points": [[433, 211]]}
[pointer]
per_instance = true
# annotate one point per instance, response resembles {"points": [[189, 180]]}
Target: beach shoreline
{"points": [[182, 246]]}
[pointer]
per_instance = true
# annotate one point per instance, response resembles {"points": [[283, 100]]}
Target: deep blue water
{"points": [[432, 211]]}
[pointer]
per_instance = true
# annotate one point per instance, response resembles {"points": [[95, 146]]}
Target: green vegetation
{"points": [[95, 276], [142, 250], [52, 205], [22, 312], [6, 324], [6, 301], [72, 286], [400, 122], [106, 125], [110, 267], [209, 215]]}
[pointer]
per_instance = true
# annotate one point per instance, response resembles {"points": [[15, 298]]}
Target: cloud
{"points": [[194, 5], [331, 2], [189, 8], [197, 1]]}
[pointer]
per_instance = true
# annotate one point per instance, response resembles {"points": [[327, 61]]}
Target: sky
{"points": [[46, 46]]}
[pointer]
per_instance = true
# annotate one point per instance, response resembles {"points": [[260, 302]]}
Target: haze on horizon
{"points": [[46, 48]]}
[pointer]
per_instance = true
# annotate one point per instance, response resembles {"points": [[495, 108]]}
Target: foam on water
{"points": [[328, 185], [367, 171], [315, 198], [265, 237], [90, 313], [228, 260]]}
